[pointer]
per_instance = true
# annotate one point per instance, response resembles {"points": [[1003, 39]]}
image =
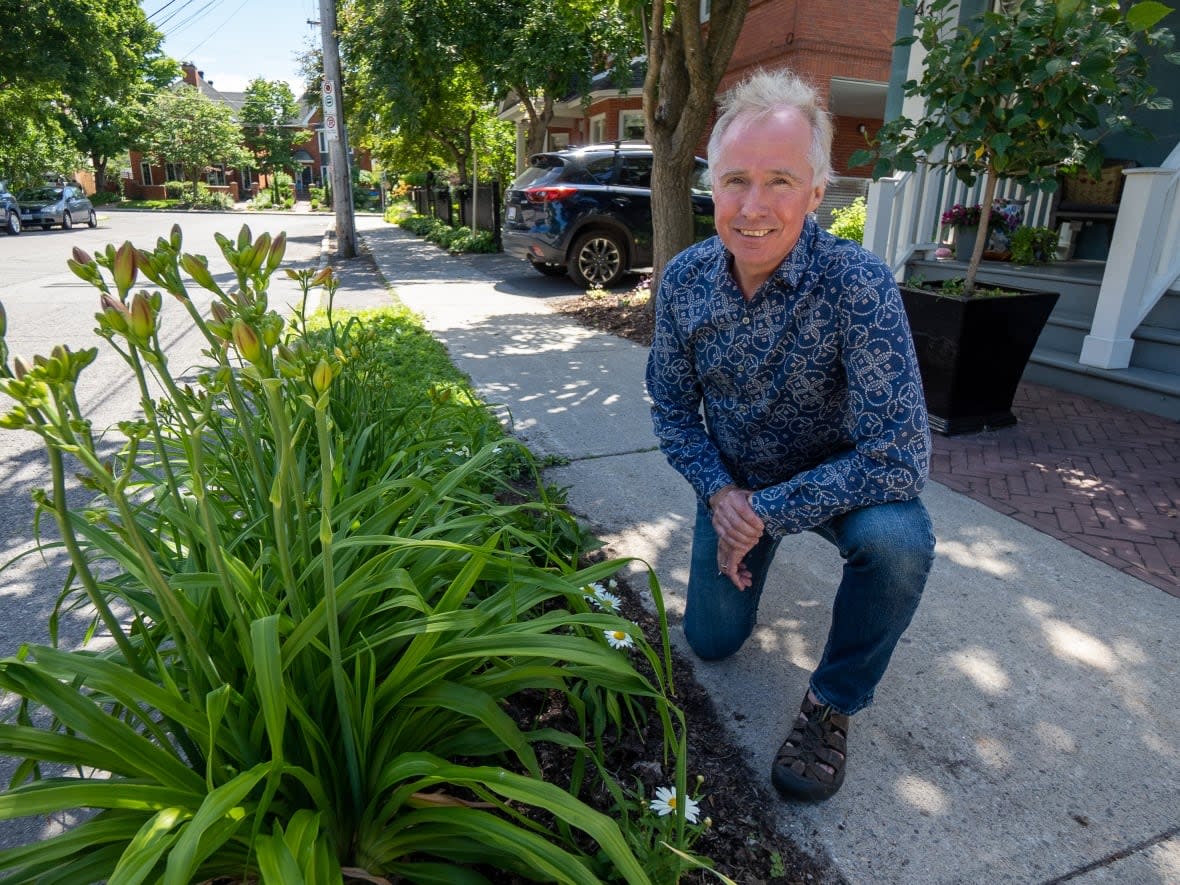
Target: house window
{"points": [[558, 140], [325, 176], [706, 10], [598, 129], [632, 126], [145, 172], [216, 176], [173, 172], [322, 137]]}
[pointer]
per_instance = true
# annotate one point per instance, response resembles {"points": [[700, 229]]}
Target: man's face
{"points": [[762, 192]]}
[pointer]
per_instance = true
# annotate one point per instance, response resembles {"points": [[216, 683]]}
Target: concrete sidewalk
{"points": [[1028, 730]]}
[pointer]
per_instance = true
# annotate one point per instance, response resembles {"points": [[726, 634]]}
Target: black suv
{"points": [[9, 211], [587, 211]]}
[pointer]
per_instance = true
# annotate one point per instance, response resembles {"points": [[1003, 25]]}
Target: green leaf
{"points": [[219, 806], [154, 838], [1146, 15]]}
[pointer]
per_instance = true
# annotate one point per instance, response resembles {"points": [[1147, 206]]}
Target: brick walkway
{"points": [[1101, 478]]}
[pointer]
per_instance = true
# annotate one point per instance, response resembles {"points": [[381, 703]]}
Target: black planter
{"points": [[972, 352]]}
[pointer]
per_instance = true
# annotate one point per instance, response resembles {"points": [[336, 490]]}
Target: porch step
{"points": [[1147, 390]]}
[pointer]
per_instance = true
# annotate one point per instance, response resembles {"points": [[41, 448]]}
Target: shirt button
{"points": [[745, 321]]}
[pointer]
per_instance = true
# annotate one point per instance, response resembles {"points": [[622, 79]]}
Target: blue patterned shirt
{"points": [[811, 390]]}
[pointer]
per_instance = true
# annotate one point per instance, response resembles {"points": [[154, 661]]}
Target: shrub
{"points": [[321, 613], [178, 190], [849, 221]]}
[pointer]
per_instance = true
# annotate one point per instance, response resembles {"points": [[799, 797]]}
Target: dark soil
{"points": [[743, 842]]}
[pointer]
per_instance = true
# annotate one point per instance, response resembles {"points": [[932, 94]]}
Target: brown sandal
{"points": [[819, 738]]}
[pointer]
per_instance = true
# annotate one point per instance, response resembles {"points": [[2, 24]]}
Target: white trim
{"points": [[706, 10], [597, 121]]}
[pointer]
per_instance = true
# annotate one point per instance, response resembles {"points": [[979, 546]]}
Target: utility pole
{"points": [[336, 134]]}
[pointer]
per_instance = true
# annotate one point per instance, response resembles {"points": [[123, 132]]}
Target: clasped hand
{"points": [[738, 530]]}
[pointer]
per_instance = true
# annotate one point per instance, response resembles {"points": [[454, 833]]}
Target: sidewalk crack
{"points": [[1115, 856]]}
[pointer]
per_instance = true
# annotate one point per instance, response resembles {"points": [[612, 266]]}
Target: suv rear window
{"points": [[547, 171]]}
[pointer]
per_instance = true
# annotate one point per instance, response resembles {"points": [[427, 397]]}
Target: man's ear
{"points": [[817, 197]]}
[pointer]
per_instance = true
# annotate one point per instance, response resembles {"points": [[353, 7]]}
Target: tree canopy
{"points": [[267, 118], [73, 70], [421, 64], [185, 127]]}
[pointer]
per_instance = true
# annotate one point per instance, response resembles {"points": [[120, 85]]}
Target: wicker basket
{"points": [[1082, 187]]}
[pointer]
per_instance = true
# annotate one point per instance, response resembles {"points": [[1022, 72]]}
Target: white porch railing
{"points": [[905, 212], [1144, 262], [904, 221]]}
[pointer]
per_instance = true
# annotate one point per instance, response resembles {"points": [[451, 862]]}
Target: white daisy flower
{"points": [[666, 802], [604, 600], [618, 639]]}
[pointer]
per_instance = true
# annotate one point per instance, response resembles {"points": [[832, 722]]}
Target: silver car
{"points": [[56, 204]]}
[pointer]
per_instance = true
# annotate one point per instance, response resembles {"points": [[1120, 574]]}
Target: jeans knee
{"points": [[707, 645]]}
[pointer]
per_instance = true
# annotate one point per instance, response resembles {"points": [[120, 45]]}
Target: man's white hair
{"points": [[764, 92]]}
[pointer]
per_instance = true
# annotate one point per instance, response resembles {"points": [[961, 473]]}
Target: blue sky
{"points": [[234, 41]]}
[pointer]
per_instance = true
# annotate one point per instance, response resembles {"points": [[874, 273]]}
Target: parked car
{"points": [[11, 211], [587, 212], [56, 204]]}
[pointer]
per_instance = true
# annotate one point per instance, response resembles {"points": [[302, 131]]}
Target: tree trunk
{"points": [[100, 173], [538, 124], [985, 217], [679, 93]]}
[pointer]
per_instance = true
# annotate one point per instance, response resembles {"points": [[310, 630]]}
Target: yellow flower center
{"points": [[619, 635]]}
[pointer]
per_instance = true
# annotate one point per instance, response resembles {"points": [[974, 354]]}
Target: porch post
{"points": [[1129, 266], [879, 217]]}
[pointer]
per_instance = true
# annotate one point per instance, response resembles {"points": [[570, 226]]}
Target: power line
{"points": [[216, 30]]}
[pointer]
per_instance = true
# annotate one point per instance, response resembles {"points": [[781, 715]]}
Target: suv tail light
{"points": [[547, 194]]}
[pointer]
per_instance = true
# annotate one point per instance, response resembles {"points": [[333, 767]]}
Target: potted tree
{"points": [[1019, 94]]}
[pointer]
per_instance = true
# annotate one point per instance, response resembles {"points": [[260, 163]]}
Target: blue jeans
{"points": [[888, 550]]}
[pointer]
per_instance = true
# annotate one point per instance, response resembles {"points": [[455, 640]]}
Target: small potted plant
{"points": [[965, 221], [1033, 245], [1019, 94]]}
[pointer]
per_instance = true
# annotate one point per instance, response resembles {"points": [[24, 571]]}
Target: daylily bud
{"points": [[124, 267], [220, 312], [196, 266], [277, 248], [174, 237], [143, 319], [82, 256], [322, 277], [20, 368], [321, 378], [115, 313], [244, 237], [261, 248], [246, 341], [3, 322]]}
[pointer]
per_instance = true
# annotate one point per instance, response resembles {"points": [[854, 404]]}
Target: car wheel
{"points": [[92, 219], [67, 221], [547, 269], [12, 223], [597, 260]]}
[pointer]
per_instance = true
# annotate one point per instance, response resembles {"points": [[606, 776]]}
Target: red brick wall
{"points": [[819, 40]]}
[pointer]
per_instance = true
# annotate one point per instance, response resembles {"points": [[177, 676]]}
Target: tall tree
{"points": [[406, 52], [183, 126], [685, 64], [71, 64], [268, 118]]}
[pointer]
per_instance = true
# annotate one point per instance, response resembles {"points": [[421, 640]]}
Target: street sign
{"points": [[331, 123]]}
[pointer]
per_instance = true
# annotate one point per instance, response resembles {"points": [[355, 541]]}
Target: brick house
{"points": [[146, 179], [849, 65]]}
